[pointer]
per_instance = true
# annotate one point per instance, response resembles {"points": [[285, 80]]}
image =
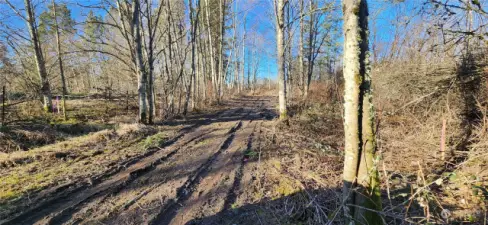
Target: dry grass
{"points": [[297, 180], [467, 185], [28, 127], [412, 99]]}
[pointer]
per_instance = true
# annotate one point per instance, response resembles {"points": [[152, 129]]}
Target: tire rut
{"points": [[71, 200], [93, 203], [233, 191], [63, 203], [184, 192], [172, 172], [65, 215], [216, 190]]}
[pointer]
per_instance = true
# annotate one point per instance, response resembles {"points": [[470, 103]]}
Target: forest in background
{"points": [[176, 55]]}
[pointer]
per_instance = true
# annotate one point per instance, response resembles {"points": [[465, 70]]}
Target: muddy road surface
{"points": [[197, 174]]}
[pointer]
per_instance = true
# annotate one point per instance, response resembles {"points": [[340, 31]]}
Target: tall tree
{"points": [[222, 73], [280, 47], [289, 76], [300, 49], [151, 24], [142, 76], [210, 43], [60, 61], [30, 19], [48, 21], [193, 32], [320, 32], [361, 185]]}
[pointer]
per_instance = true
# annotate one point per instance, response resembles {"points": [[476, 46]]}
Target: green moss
{"points": [[202, 142], [358, 78], [285, 188], [8, 194], [11, 180], [283, 115], [155, 140]]}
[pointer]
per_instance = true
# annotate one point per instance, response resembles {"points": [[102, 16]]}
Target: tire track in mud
{"points": [[210, 196], [144, 192], [66, 214], [91, 204], [185, 191], [65, 200], [61, 209], [218, 192], [88, 204], [233, 191], [215, 190]]}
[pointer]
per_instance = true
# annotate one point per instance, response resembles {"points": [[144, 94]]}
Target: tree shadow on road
{"points": [[303, 207]]}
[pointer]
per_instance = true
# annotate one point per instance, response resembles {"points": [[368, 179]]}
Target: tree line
{"points": [[179, 54]]}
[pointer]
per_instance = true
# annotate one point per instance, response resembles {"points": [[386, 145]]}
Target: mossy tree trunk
{"points": [[361, 186]]}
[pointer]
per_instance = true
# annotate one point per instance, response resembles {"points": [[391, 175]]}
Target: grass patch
{"points": [[251, 154], [202, 142], [155, 140]]}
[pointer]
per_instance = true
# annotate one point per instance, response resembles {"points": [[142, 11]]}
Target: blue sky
{"points": [[259, 21]]}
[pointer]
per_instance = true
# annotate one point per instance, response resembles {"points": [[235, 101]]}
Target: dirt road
{"points": [[196, 174]]}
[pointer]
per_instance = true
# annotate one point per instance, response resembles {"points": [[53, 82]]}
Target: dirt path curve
{"points": [[196, 174]]}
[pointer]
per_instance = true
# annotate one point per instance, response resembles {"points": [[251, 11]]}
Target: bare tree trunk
{"points": [[201, 58], [204, 65], [142, 78], [301, 50], [280, 46], [289, 60], [243, 65], [359, 166], [212, 65], [255, 73], [222, 73], [194, 24], [310, 54], [236, 63], [60, 61], [151, 28], [254, 65], [40, 63], [4, 96], [368, 177], [249, 67]]}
